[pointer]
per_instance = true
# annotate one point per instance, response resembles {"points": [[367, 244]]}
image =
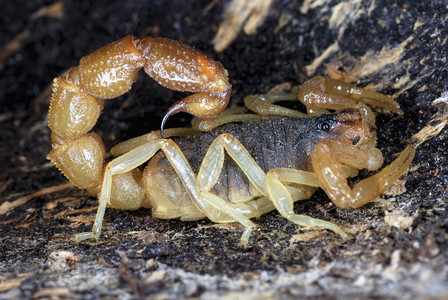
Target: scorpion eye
{"points": [[325, 126]]}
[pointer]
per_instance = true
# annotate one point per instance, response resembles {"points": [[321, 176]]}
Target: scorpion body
{"points": [[264, 170], [272, 142], [269, 165]]}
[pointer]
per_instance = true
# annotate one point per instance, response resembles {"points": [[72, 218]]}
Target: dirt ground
{"points": [[396, 47]]}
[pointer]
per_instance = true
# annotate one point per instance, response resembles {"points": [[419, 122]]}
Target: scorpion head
{"points": [[355, 125]]}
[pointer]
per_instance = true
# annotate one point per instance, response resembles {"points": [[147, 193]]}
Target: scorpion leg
{"points": [[321, 93], [213, 162], [326, 159], [212, 165], [283, 201], [262, 104], [207, 124], [119, 165]]}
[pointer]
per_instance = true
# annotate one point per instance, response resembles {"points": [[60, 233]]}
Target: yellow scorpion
{"points": [[273, 162]]}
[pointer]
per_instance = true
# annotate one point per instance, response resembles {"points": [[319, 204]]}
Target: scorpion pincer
{"points": [[270, 163]]}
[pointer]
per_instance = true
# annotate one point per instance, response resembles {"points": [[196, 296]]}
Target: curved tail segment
{"points": [[109, 72]]}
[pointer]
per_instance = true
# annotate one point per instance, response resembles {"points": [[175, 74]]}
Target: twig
{"points": [[5, 207]]}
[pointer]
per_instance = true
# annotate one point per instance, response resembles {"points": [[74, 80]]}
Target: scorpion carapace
{"points": [[109, 72]]}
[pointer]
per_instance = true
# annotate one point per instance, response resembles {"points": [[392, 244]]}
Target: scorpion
{"points": [[271, 162]]}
